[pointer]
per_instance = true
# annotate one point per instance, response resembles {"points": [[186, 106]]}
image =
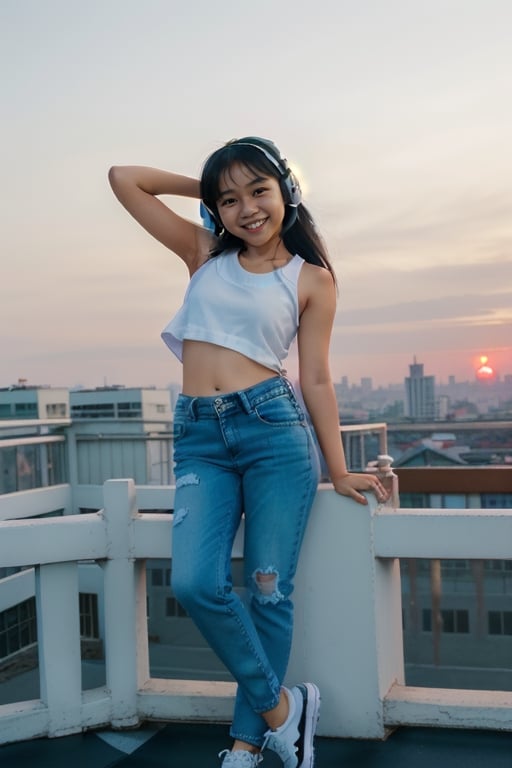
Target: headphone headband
{"points": [[290, 185]]}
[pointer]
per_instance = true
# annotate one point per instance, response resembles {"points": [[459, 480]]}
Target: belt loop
{"points": [[246, 403], [192, 409], [288, 385]]}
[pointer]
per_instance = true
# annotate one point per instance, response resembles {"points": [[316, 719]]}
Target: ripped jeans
{"points": [[252, 453]]}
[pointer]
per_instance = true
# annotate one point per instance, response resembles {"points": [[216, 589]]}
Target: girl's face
{"points": [[250, 205]]}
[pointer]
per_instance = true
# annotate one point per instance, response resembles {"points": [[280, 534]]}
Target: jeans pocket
{"points": [[280, 411]]}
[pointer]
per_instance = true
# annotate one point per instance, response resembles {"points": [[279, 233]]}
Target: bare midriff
{"points": [[209, 370]]}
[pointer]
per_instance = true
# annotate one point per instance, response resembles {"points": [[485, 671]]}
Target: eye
{"points": [[260, 191], [227, 201]]}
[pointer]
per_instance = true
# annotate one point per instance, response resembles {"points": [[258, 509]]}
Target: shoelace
{"points": [[278, 746], [243, 758]]}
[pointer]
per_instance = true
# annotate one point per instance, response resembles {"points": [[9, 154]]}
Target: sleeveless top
{"points": [[254, 314]]}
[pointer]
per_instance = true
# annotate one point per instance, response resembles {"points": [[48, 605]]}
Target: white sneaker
{"points": [[240, 758], [293, 741]]}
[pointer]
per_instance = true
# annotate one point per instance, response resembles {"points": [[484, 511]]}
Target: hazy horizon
{"points": [[396, 116]]}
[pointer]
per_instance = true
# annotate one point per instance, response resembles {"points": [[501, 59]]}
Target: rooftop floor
{"points": [[197, 746]]}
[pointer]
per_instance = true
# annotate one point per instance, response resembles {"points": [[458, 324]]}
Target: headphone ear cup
{"points": [[210, 219], [291, 189]]}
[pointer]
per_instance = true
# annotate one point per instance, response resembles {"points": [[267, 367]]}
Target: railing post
{"points": [[126, 653], [58, 631], [72, 467], [348, 630]]}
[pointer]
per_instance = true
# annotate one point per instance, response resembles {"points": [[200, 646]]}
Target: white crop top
{"points": [[254, 314]]}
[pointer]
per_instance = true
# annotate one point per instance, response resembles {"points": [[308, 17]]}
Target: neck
{"points": [[273, 251]]}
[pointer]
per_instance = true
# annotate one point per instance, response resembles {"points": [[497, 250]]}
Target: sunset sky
{"points": [[397, 114]]}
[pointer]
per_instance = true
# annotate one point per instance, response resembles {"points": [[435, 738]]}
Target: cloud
{"points": [[387, 295], [462, 309], [431, 228]]}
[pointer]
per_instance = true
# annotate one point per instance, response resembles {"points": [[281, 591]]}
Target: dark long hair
{"points": [[299, 233]]}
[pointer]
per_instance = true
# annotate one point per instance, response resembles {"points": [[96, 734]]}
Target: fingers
{"points": [[376, 487], [355, 485], [353, 493]]}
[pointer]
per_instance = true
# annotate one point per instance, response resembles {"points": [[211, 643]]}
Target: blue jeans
{"points": [[252, 453]]}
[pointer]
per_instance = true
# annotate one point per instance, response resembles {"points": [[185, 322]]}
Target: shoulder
{"points": [[316, 283]]}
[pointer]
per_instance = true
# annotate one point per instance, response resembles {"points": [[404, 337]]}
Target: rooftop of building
{"points": [[184, 745], [338, 539]]}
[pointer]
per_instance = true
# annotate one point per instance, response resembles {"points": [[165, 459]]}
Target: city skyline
{"points": [[498, 378], [394, 117]]}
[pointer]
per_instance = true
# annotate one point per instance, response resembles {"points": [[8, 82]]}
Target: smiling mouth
{"points": [[254, 225]]}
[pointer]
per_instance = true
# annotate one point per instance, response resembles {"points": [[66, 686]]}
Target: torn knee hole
{"points": [[266, 582], [266, 586]]}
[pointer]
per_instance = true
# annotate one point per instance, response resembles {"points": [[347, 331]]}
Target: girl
{"points": [[242, 442]]}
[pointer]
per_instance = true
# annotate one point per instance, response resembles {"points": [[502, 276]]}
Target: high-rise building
{"points": [[21, 401], [123, 404], [420, 396]]}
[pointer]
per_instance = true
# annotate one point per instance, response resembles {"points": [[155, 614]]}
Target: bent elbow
{"points": [[114, 173], [121, 181]]}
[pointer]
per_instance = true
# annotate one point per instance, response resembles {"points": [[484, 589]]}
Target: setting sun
{"points": [[484, 371]]}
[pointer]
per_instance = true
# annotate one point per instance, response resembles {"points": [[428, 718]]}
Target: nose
{"points": [[249, 205]]}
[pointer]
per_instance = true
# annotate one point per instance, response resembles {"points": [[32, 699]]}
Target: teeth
{"points": [[255, 224]]}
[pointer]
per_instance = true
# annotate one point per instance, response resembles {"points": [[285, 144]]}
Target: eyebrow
{"points": [[256, 180]]}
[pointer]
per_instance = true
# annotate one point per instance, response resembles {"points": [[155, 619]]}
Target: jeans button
{"points": [[218, 401]]}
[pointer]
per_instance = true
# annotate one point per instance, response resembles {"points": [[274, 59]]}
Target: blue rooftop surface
{"points": [[196, 746]]}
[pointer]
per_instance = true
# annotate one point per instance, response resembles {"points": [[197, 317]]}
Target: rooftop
{"points": [[181, 745], [372, 713]]}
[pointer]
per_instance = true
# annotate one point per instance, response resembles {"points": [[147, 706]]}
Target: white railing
{"points": [[348, 634], [354, 435]]}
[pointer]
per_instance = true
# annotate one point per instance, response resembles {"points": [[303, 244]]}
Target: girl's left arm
{"points": [[313, 338]]}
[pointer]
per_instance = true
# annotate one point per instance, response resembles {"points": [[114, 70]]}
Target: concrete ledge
{"points": [[447, 708], [189, 700]]}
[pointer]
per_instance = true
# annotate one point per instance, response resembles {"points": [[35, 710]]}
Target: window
{"points": [[21, 466], [157, 578], [498, 566], [496, 500], [173, 608], [89, 626], [56, 410], [26, 410], [415, 500], [500, 622], [454, 501], [129, 410], [93, 411], [450, 567], [27, 466], [18, 627], [7, 470], [160, 577], [452, 621], [57, 465]]}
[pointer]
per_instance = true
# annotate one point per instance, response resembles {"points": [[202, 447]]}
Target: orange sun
{"points": [[485, 372]]}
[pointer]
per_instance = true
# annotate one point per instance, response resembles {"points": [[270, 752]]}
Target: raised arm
{"points": [[316, 384], [137, 188]]}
